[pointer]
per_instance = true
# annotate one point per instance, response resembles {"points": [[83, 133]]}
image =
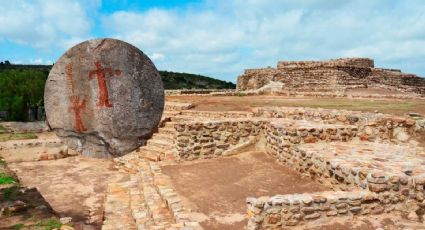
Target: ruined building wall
{"points": [[330, 76]]}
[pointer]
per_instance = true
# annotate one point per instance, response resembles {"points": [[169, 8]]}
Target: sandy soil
{"points": [[217, 188]]}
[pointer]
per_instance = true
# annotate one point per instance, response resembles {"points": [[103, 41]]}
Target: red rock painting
{"points": [[77, 106], [101, 73]]}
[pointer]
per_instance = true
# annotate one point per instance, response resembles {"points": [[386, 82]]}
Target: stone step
{"points": [[163, 136], [161, 215], [163, 144], [139, 208], [182, 118], [117, 212], [148, 200], [170, 113], [150, 154], [170, 124], [168, 131], [155, 148]]}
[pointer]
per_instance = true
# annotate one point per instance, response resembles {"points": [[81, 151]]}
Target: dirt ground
{"points": [[245, 103], [74, 187], [217, 188]]}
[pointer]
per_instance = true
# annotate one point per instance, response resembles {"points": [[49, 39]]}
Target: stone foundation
{"points": [[290, 210], [214, 138], [371, 126]]}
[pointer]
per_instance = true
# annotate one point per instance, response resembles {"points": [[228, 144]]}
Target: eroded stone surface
{"points": [[104, 97]]}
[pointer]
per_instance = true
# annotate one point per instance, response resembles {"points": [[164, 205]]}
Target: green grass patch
{"points": [[2, 162], [240, 94], [17, 136], [18, 226], [9, 193], [3, 129], [6, 179], [49, 224]]}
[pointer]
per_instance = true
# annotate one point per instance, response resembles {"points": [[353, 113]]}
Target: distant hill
{"points": [[171, 80]]}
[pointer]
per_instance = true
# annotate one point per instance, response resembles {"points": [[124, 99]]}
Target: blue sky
{"points": [[221, 38]]}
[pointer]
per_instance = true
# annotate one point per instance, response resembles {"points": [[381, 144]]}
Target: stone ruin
{"points": [[369, 163], [104, 97], [335, 76]]}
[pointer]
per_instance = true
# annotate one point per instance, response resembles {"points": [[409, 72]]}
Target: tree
{"points": [[21, 89]]}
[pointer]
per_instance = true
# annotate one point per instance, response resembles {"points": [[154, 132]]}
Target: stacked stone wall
{"points": [[290, 210], [369, 191], [199, 140], [371, 126], [353, 62]]}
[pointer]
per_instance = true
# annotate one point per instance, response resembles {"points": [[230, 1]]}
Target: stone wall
{"points": [[371, 126], [369, 190], [214, 138], [336, 75], [354, 62], [290, 210]]}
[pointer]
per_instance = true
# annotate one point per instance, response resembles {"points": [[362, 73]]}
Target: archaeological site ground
{"points": [[336, 144]]}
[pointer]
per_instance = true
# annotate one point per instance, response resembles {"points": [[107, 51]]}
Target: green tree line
{"points": [[22, 86], [21, 89]]}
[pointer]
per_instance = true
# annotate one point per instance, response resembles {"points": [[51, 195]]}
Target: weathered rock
{"points": [[104, 97]]}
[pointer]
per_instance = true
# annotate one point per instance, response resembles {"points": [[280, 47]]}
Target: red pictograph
{"points": [[100, 73], [77, 106]]}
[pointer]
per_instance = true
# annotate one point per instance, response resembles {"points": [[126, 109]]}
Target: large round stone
{"points": [[104, 98]]}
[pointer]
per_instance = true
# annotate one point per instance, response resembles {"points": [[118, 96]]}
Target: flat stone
{"points": [[103, 98]]}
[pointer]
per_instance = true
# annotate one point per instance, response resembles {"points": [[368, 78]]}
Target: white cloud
{"points": [[38, 61], [157, 56], [43, 24], [222, 38]]}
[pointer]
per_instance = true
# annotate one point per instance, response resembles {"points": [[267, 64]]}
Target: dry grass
{"points": [[17, 136]]}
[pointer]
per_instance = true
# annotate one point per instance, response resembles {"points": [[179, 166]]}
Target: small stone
{"points": [[17, 206], [65, 220], [377, 210], [355, 209], [332, 213], [413, 216], [341, 206], [377, 187], [410, 122], [312, 216], [66, 227], [307, 210], [342, 211], [274, 218], [310, 139], [294, 209]]}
